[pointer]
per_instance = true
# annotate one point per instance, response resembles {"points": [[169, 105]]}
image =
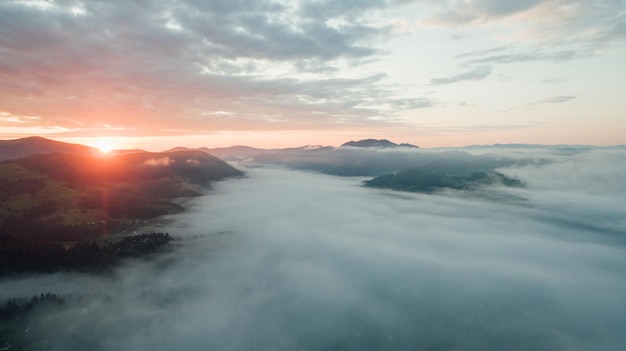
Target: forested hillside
{"points": [[72, 197], [425, 181]]}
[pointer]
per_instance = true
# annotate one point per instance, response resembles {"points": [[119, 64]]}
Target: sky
{"points": [[334, 265], [158, 74]]}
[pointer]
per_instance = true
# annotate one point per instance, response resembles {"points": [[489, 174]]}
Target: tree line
{"points": [[25, 255]]}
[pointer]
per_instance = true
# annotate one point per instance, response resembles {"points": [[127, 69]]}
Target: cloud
{"points": [[567, 13], [555, 80], [616, 32], [478, 73], [186, 59], [162, 161], [552, 100], [555, 56], [412, 103], [481, 52], [535, 30], [459, 13], [328, 8], [350, 161], [557, 99], [595, 203], [272, 64], [332, 264]]}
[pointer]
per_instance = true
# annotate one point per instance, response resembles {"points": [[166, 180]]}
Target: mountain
{"points": [[72, 197], [18, 148], [377, 143]]}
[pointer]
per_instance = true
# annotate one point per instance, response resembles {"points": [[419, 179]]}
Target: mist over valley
{"points": [[292, 256], [312, 175]]}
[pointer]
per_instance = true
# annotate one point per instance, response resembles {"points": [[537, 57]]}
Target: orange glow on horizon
{"points": [[298, 138], [105, 145]]}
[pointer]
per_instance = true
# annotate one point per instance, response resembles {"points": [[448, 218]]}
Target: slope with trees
{"points": [[426, 181], [71, 197]]}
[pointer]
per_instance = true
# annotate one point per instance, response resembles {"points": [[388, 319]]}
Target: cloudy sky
{"points": [[289, 73]]}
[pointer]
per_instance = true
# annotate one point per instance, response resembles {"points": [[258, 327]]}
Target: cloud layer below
{"points": [[298, 260]]}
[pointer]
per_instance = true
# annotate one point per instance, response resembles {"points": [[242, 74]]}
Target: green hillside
{"points": [[424, 181], [73, 197]]}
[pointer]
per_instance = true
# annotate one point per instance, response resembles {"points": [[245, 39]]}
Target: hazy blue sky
{"points": [[287, 73]]}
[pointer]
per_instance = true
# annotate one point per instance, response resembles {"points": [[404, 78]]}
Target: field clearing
{"points": [[12, 172]]}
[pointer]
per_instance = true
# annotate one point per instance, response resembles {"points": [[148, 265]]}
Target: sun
{"points": [[105, 145]]}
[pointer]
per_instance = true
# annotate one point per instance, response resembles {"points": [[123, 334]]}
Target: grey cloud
{"points": [[330, 264], [482, 61], [535, 55], [253, 34], [122, 55], [554, 100], [410, 104], [596, 204], [502, 8], [459, 13], [477, 73], [557, 99], [555, 80], [611, 34], [372, 162], [315, 66], [481, 52], [584, 27], [328, 8]]}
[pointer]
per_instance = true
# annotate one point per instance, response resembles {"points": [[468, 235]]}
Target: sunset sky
{"points": [[156, 74]]}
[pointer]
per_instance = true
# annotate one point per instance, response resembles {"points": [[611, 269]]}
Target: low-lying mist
{"points": [[294, 260]]}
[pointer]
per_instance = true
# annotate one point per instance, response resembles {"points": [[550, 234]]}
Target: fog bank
{"points": [[295, 260]]}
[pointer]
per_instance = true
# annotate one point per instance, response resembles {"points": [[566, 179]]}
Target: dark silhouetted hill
{"points": [[196, 166], [425, 181], [73, 197], [19, 148]]}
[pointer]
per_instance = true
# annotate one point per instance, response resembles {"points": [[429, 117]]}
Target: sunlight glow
{"points": [[105, 145]]}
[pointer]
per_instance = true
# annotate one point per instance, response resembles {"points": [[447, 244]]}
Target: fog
{"points": [[357, 161], [295, 260]]}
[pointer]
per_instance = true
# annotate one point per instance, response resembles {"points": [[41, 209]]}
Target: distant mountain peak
{"points": [[379, 143]]}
